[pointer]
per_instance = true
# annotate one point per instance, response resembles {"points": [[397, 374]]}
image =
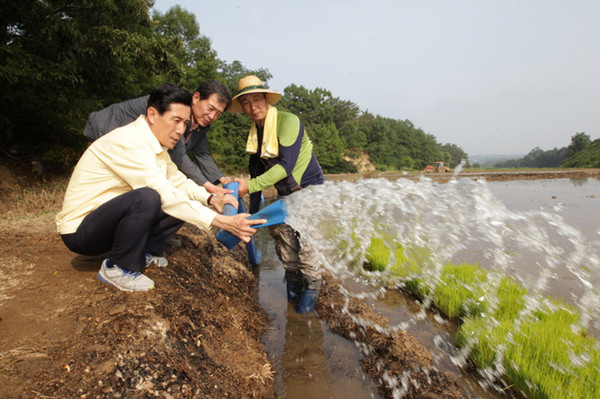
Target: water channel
{"points": [[544, 233]]}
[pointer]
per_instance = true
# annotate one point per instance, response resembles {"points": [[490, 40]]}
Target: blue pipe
{"points": [[275, 213]]}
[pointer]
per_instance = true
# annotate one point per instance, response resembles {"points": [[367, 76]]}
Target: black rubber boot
{"points": [[293, 291], [294, 285]]}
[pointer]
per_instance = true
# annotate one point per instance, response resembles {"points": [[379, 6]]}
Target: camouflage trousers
{"points": [[298, 257]]}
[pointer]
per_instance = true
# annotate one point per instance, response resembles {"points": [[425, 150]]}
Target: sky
{"points": [[493, 77]]}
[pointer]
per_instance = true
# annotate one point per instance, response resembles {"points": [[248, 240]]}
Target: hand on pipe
{"points": [[243, 186], [225, 179], [216, 190], [219, 200], [238, 225]]}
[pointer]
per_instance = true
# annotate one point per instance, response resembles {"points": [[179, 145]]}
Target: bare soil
{"points": [[196, 335]]}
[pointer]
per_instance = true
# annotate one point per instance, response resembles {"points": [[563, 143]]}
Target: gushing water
{"points": [[425, 226]]}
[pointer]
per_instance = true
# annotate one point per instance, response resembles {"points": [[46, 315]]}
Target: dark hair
{"points": [[162, 96], [211, 86]]}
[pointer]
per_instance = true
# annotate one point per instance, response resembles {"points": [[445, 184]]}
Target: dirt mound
{"points": [[64, 334], [396, 356], [361, 161]]}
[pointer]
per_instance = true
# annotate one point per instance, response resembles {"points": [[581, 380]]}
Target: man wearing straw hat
{"points": [[281, 154]]}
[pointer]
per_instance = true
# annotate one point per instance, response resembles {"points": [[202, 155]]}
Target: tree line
{"points": [[582, 152], [62, 59]]}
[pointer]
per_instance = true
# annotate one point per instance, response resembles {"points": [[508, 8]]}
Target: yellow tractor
{"points": [[439, 167]]}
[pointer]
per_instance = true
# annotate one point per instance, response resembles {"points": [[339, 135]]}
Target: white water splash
{"points": [[457, 222]]}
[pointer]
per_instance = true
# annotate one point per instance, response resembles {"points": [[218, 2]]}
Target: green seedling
{"points": [[460, 291]]}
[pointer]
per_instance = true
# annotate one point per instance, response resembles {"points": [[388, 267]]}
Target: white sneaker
{"points": [[124, 280], [160, 261]]}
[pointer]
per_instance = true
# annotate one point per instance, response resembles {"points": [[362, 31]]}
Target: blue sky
{"points": [[493, 77]]}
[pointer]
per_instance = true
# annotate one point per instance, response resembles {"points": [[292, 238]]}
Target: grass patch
{"points": [[540, 351], [486, 335], [460, 292], [546, 358], [378, 255], [34, 200], [406, 266]]}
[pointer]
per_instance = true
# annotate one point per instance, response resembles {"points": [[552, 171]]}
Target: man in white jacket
{"points": [[126, 197]]}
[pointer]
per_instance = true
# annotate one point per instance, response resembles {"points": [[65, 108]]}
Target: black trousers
{"points": [[125, 227]]}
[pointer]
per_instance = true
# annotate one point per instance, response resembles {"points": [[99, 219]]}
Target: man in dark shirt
{"points": [[208, 103]]}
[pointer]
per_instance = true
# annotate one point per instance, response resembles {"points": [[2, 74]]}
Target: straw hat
{"points": [[252, 84]]}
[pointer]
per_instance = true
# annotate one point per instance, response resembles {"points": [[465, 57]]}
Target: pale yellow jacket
{"points": [[125, 159]]}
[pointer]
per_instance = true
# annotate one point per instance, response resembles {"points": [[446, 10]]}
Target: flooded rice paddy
{"points": [[544, 234]]}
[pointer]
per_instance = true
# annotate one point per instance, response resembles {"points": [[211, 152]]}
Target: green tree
{"points": [[231, 73], [353, 135], [311, 106], [589, 157], [195, 57], [328, 148], [344, 111], [579, 142], [227, 141], [59, 60], [456, 154], [316, 109], [537, 158], [427, 149]]}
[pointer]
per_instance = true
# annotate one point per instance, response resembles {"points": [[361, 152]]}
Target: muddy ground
{"points": [[63, 334]]}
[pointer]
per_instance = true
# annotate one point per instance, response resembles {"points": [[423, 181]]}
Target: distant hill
{"points": [[586, 158], [489, 159]]}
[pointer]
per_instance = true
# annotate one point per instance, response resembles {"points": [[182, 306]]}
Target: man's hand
{"points": [[243, 186], [219, 200], [238, 225], [222, 191], [224, 180], [216, 190]]}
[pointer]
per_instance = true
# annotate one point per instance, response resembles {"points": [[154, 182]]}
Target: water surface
{"points": [[543, 233]]}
